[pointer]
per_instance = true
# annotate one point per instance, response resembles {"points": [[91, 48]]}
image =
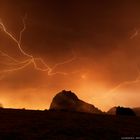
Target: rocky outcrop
{"points": [[68, 101]]}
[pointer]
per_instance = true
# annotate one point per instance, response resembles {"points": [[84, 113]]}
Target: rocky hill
{"points": [[68, 101]]}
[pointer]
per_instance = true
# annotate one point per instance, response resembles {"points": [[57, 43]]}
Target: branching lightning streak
{"points": [[30, 58], [23, 29], [50, 69], [129, 82], [14, 39], [136, 33], [15, 62], [9, 57], [15, 69]]}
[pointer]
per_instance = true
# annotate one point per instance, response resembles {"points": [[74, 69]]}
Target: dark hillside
{"points": [[61, 125], [137, 110]]}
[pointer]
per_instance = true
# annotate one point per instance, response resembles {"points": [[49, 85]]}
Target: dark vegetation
{"points": [[125, 111], [24, 124], [135, 111]]}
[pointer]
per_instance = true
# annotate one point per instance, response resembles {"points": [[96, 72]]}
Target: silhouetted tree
{"points": [[125, 111]]}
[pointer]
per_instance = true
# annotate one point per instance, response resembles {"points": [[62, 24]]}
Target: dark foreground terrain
{"points": [[51, 125]]}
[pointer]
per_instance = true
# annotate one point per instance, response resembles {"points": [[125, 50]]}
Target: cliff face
{"points": [[67, 100]]}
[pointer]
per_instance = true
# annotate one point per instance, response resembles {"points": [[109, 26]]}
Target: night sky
{"points": [[99, 40]]}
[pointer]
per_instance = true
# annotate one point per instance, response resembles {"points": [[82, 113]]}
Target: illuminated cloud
{"points": [[89, 47]]}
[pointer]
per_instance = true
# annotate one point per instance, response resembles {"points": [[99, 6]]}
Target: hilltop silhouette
{"points": [[68, 101], [112, 111], [72, 119], [124, 111]]}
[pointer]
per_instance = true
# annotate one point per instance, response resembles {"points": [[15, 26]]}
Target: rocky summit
{"points": [[68, 101]]}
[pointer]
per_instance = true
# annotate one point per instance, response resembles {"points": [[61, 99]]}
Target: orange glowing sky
{"points": [[89, 47]]}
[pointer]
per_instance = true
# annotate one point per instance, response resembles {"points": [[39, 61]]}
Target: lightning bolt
{"points": [[136, 33], [129, 82], [30, 59], [111, 94]]}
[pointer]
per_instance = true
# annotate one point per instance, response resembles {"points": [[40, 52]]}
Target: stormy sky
{"points": [[102, 36]]}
